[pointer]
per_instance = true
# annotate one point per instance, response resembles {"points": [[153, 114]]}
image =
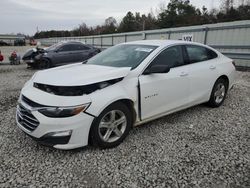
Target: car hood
{"points": [[28, 54], [79, 74]]}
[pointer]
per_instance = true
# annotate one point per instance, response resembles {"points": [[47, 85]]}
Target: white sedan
{"points": [[98, 101]]}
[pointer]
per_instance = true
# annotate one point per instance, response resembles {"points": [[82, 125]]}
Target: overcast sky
{"points": [[26, 15]]}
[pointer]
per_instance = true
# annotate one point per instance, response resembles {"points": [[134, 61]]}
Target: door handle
{"points": [[184, 74], [212, 67]]}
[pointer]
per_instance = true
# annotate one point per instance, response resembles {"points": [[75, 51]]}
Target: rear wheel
{"points": [[112, 126], [219, 93]]}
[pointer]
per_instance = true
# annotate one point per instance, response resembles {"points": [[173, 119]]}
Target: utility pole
{"points": [[143, 25]]}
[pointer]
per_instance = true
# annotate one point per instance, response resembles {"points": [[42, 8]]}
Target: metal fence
{"points": [[230, 38], [10, 39]]}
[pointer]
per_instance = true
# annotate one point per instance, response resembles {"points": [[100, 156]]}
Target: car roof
{"points": [[72, 42], [162, 42]]}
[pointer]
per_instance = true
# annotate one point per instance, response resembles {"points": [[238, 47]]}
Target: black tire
{"points": [[45, 64], [96, 138], [213, 102]]}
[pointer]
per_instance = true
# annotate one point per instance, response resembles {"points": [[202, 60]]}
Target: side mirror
{"points": [[154, 69]]}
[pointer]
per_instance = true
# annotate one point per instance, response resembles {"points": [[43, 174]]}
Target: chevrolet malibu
{"points": [[98, 101]]}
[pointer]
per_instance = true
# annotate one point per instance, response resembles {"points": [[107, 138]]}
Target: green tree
{"points": [[110, 26], [128, 23], [179, 13], [176, 13]]}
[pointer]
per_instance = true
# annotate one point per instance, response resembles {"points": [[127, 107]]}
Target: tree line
{"points": [[175, 14]]}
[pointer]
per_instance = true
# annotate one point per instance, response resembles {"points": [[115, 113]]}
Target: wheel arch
{"points": [[128, 102], [224, 77], [47, 58], [211, 102]]}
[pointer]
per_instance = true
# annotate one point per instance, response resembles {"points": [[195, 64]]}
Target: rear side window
{"points": [[82, 47], [78, 47], [212, 54], [66, 47], [73, 47], [171, 56], [199, 53]]}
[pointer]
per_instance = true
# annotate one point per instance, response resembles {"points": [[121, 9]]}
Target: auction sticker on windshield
{"points": [[144, 49]]}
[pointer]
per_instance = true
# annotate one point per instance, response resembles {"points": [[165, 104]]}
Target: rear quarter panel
{"points": [[226, 67]]}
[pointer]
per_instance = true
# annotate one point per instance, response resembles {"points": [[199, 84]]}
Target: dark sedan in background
{"points": [[59, 54]]}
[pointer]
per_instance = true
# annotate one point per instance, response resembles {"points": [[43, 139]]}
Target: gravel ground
{"points": [[198, 147]]}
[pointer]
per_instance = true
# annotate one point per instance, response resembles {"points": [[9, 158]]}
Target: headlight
{"points": [[38, 57], [62, 112]]}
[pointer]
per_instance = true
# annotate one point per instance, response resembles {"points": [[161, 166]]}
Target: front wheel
{"points": [[112, 126], [219, 93], [44, 64]]}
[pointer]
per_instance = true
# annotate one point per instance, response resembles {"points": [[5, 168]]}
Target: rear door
{"points": [[85, 52], [165, 92], [202, 72], [79, 52], [63, 54]]}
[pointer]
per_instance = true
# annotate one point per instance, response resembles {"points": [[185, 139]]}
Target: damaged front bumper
{"points": [[61, 133], [29, 61]]}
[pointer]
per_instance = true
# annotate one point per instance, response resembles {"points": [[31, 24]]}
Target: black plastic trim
{"points": [[90, 114], [51, 141], [139, 100]]}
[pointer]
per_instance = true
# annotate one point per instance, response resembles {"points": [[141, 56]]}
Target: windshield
{"points": [[126, 55]]}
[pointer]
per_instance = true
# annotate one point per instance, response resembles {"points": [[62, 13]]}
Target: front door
{"points": [[165, 92], [77, 53], [63, 54]]}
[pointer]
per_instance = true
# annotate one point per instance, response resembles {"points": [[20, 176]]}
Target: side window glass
{"points": [[82, 47], [75, 47], [78, 47], [65, 48], [199, 53], [172, 56], [211, 54]]}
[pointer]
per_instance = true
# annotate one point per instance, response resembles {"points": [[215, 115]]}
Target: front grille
{"points": [[26, 119]]}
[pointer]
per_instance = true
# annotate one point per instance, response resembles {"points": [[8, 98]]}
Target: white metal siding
{"points": [[233, 37]]}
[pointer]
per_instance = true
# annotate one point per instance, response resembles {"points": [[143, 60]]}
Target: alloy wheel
{"points": [[219, 93], [112, 126]]}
